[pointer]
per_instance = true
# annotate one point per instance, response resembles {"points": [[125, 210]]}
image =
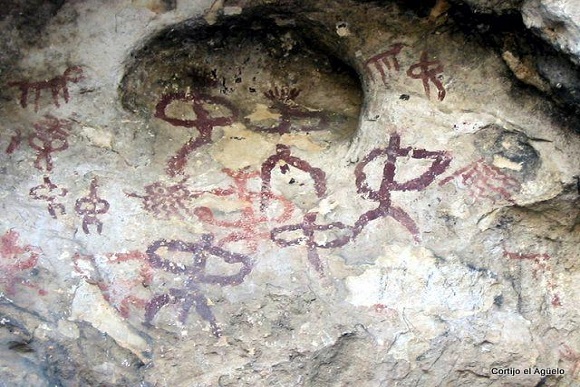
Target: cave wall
{"points": [[295, 193]]}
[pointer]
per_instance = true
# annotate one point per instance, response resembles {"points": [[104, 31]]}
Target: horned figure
{"points": [[56, 85]]}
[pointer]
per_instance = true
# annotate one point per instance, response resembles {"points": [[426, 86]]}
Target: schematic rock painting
{"points": [[50, 192], [163, 200], [387, 59], [191, 295], [50, 135], [427, 71], [485, 182], [250, 193], [17, 262], [388, 183], [90, 206], [283, 100], [387, 63], [203, 122], [57, 87], [249, 226]]}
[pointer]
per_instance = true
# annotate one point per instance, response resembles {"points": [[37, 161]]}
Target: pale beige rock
{"points": [[89, 305], [557, 21], [420, 228]]}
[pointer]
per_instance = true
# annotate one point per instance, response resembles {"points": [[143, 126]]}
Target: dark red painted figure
{"points": [[120, 291], [284, 154], [50, 136], [386, 59], [309, 229], [56, 86], [283, 100], [382, 196], [49, 193], [427, 71], [204, 122], [194, 271], [90, 206]]}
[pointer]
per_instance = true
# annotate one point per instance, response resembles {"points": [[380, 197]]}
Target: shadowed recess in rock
{"points": [[269, 76]]}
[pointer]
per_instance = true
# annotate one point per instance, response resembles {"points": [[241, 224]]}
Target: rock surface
{"points": [[259, 193], [558, 22], [494, 6], [551, 63]]}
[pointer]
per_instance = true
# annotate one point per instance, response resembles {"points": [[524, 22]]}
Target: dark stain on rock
{"points": [[494, 143], [169, 4], [30, 15]]}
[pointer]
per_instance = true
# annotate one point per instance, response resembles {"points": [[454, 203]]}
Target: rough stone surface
{"points": [[551, 63], [258, 193], [558, 22], [494, 6]]}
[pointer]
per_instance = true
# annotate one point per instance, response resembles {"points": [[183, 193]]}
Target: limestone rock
{"points": [[558, 22], [309, 193], [494, 6], [551, 63]]}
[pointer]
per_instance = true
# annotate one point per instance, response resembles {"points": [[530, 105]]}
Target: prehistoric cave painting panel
{"points": [[484, 182], [292, 117], [204, 120], [428, 71], [264, 214], [248, 224], [440, 161], [238, 212], [275, 81], [169, 276], [384, 63], [166, 200], [335, 234], [372, 186], [282, 161]]}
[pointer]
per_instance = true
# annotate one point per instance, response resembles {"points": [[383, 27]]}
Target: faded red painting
{"points": [[485, 181], [122, 278], [17, 261], [247, 225]]}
